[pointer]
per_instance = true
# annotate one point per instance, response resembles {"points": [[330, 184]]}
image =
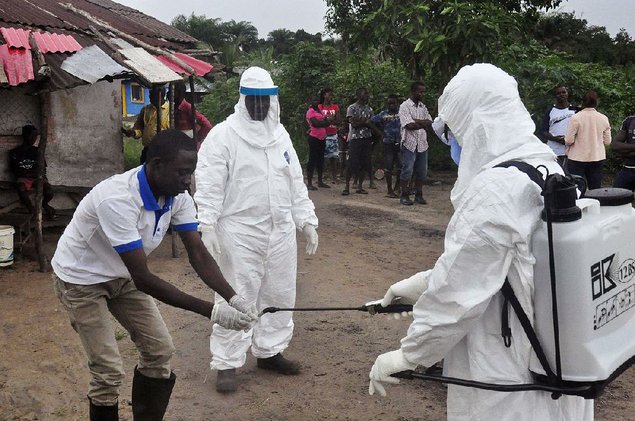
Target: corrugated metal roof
{"points": [[17, 64], [55, 43], [59, 78], [92, 64], [16, 38], [148, 67], [148, 22], [52, 14], [200, 67]]}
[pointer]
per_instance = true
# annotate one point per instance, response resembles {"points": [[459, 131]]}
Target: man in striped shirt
{"points": [[415, 120]]}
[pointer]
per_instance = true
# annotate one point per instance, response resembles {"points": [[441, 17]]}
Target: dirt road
{"points": [[366, 243]]}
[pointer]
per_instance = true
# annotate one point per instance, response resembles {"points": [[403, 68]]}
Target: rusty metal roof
{"points": [[17, 64], [200, 67], [51, 14], [55, 43], [92, 64]]}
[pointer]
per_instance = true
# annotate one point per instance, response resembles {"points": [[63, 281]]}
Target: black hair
{"points": [[323, 93], [392, 96], [179, 90], [590, 100], [359, 91], [415, 85], [27, 131], [167, 143]]}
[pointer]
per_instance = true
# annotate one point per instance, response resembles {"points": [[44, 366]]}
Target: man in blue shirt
{"points": [[388, 122], [100, 267]]}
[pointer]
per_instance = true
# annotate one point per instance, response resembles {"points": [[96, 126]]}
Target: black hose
{"points": [[576, 391]]}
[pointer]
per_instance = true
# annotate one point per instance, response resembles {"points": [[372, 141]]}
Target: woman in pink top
{"points": [[586, 136], [317, 133]]}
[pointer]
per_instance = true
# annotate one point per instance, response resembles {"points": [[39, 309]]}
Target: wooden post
{"points": [[175, 250], [193, 107], [159, 108], [44, 98]]}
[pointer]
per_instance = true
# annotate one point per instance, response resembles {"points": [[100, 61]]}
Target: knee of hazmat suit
{"points": [[458, 317], [251, 193]]}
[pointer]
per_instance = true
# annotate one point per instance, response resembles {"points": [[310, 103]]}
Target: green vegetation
{"points": [[384, 45], [131, 152]]}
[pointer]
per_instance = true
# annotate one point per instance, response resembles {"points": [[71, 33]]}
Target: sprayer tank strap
{"points": [[508, 293]]}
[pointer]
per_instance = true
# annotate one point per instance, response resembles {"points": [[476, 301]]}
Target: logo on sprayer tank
{"points": [[606, 276]]}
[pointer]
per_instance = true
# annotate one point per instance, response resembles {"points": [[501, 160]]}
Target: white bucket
{"points": [[6, 245]]}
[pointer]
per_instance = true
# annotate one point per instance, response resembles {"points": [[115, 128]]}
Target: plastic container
{"points": [[6, 245], [594, 259]]}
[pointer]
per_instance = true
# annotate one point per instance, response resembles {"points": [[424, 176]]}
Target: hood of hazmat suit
{"points": [[458, 317], [250, 192]]}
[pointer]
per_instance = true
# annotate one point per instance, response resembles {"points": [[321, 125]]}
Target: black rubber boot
{"points": [[103, 413], [419, 193], [279, 364], [150, 397], [226, 381], [404, 199]]}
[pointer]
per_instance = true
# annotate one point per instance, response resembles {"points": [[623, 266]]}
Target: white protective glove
{"points": [[230, 318], [386, 364], [408, 291], [311, 238], [210, 238], [240, 304]]}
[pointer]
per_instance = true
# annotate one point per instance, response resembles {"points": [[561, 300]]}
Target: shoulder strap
{"points": [[508, 293], [511, 298], [531, 171]]}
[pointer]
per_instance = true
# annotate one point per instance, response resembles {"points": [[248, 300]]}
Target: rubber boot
{"points": [[390, 192], [226, 381], [279, 364], [150, 396], [419, 193], [404, 199], [103, 413]]}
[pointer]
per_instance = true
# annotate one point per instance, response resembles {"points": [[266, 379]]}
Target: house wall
{"points": [[133, 108], [19, 109], [85, 142]]}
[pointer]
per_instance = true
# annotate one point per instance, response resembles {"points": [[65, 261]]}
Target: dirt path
{"points": [[366, 243]]}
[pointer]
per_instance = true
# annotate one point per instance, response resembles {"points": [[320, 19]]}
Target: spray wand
{"points": [[371, 308]]}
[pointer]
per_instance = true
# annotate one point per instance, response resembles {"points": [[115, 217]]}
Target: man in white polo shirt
{"points": [[101, 269]]}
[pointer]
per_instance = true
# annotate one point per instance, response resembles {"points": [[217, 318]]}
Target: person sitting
{"points": [[23, 163]]}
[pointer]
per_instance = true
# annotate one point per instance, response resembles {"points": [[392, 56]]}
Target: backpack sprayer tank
{"points": [[594, 259]]}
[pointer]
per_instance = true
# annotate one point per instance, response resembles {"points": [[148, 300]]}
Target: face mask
{"points": [[455, 150]]}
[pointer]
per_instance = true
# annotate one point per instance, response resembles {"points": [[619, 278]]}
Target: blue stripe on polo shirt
{"points": [[122, 248], [192, 226], [149, 201], [259, 91]]}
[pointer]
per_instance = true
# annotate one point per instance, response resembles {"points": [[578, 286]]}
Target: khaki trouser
{"points": [[88, 308]]}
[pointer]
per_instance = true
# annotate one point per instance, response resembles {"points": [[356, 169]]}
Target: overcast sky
{"points": [[267, 15]]}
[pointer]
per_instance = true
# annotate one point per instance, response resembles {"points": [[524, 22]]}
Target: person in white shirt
{"points": [[101, 268], [556, 121]]}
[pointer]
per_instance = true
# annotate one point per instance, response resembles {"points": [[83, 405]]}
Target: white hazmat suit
{"points": [[251, 198], [457, 316]]}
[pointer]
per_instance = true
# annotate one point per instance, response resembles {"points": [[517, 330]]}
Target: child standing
{"points": [[388, 122]]}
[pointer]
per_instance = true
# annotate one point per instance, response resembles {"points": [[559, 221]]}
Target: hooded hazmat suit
{"points": [[251, 194], [458, 316]]}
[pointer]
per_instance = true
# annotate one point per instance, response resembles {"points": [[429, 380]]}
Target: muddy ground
{"points": [[366, 243]]}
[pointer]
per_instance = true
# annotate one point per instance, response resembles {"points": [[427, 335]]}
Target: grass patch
{"points": [[131, 152]]}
